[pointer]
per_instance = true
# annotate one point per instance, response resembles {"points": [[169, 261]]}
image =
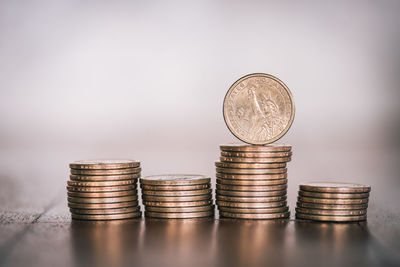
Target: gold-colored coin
{"points": [[255, 160], [177, 204], [262, 210], [251, 193], [102, 183], [104, 164], [258, 109], [106, 172], [101, 188], [175, 187], [326, 218], [333, 195], [250, 205], [250, 165], [278, 215], [184, 209], [331, 206], [177, 193], [178, 215], [251, 199], [356, 201], [332, 187], [101, 200], [97, 178], [252, 188], [107, 217], [102, 206], [176, 199], [256, 154], [105, 211], [251, 171], [255, 177], [331, 212], [103, 194], [251, 182], [239, 147], [175, 179]]}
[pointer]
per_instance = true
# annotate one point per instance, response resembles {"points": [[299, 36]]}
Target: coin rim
{"points": [[108, 217], [238, 147], [186, 193], [327, 189], [232, 193], [326, 218], [252, 188], [180, 209], [178, 215], [326, 212], [333, 195], [104, 166], [322, 206], [250, 205], [254, 210], [254, 216]]}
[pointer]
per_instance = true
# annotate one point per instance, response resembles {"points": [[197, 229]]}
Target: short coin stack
{"points": [[333, 202], [177, 196], [252, 181], [104, 189]]}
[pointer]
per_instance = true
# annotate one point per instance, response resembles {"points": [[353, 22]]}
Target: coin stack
{"points": [[333, 202], [252, 181], [104, 189], [177, 196]]}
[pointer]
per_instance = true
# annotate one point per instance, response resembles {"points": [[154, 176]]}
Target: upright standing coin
{"points": [[258, 109], [175, 179], [104, 164], [331, 187]]}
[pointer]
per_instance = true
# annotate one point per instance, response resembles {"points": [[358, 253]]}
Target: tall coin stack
{"points": [[177, 196], [103, 189], [252, 181], [332, 202]]}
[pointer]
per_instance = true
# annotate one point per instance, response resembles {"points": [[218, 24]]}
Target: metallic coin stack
{"points": [[332, 202], [252, 181], [104, 189], [177, 196]]}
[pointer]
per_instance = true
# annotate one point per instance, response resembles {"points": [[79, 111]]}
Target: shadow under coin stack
{"points": [[252, 181], [177, 196], [332, 202], [104, 189]]}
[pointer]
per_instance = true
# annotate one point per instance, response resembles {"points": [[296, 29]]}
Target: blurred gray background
{"points": [[146, 80]]}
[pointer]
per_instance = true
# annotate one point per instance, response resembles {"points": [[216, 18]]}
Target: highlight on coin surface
{"points": [[258, 109]]}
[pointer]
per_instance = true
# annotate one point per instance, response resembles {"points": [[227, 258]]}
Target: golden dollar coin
{"points": [[106, 211], [259, 210], [331, 212], [331, 218], [101, 200], [258, 109], [356, 201], [256, 154], [251, 193], [101, 188], [178, 215], [250, 199], [331, 206], [106, 172], [104, 164], [177, 193], [97, 178], [175, 187], [256, 177], [278, 215], [102, 183], [102, 194], [252, 188], [183, 209], [176, 199], [251, 205], [107, 217], [175, 179], [332, 187], [102, 205], [251, 171], [250, 165], [238, 147], [333, 195], [255, 160], [177, 204]]}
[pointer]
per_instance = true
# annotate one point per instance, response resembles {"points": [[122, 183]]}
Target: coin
{"points": [[107, 217], [177, 204], [251, 193], [175, 187], [177, 193], [175, 179], [251, 199], [100, 200], [256, 154], [106, 211], [102, 183], [256, 177], [258, 109], [250, 165], [96, 178], [179, 215], [331, 218], [333, 195], [331, 212], [251, 188], [251, 182], [250, 205], [255, 160], [176, 199], [239, 147], [104, 164], [103, 194], [183, 209], [356, 201], [102, 206], [106, 172], [278, 215], [332, 187], [332, 206], [247, 210], [251, 171], [101, 188]]}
